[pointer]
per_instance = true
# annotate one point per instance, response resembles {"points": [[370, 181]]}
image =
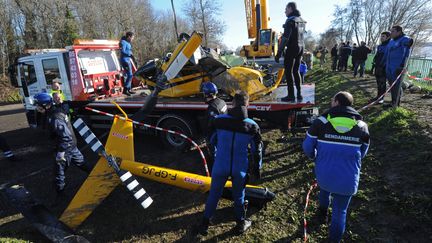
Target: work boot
{"points": [[243, 225], [203, 227], [299, 97], [126, 92], [288, 99]]}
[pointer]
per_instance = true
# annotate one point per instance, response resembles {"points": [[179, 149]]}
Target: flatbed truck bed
{"points": [[188, 114]]}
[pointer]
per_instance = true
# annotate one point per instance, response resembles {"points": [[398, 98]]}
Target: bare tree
{"points": [[56, 23], [310, 41], [415, 16], [203, 16], [175, 18], [329, 38]]}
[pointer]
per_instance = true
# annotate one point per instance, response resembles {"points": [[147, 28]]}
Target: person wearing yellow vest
{"points": [[56, 88], [337, 141]]}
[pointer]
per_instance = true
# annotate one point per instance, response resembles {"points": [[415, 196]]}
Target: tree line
{"points": [[364, 20], [42, 24]]}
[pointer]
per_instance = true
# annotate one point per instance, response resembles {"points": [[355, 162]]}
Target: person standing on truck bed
{"points": [[66, 145], [234, 135], [338, 140], [292, 39], [216, 106], [126, 58]]}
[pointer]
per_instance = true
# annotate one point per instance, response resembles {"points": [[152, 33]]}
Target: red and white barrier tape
{"points": [[382, 96], [419, 79], [313, 186], [159, 129]]}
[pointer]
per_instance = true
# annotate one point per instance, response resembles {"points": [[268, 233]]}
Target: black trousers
{"points": [[381, 81], [292, 61], [5, 148], [3, 144], [334, 62]]}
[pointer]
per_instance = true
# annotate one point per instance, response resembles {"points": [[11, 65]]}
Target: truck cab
{"points": [[89, 70]]}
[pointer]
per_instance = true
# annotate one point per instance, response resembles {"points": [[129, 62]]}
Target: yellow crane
{"points": [[265, 43]]}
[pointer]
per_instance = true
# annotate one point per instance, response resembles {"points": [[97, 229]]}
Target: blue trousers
{"points": [[396, 91], [360, 64], [72, 155], [216, 190], [127, 66], [339, 211]]}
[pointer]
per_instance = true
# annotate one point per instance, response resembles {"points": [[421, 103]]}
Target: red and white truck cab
{"points": [[89, 70]]}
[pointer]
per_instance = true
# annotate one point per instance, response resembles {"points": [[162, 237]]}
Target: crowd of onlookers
{"points": [[388, 64], [341, 52]]}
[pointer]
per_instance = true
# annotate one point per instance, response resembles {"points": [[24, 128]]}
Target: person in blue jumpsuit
{"points": [[234, 135], [292, 40], [66, 146], [126, 58], [396, 56], [338, 140]]}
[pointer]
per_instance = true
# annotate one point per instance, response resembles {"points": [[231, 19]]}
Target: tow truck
{"points": [[92, 78]]}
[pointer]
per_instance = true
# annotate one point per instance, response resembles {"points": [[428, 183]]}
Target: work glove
{"points": [[60, 156]]}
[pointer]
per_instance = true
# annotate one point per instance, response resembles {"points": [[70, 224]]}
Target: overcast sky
{"points": [[317, 13]]}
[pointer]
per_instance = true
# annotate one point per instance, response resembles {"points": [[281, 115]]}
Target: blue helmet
{"points": [[42, 99], [209, 88]]}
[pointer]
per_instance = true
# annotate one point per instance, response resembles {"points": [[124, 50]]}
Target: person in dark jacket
{"points": [[216, 106], [234, 135], [353, 55], [338, 140], [7, 152], [126, 58], [379, 66], [292, 40], [395, 58], [361, 55], [66, 145], [340, 61], [345, 53], [334, 56]]}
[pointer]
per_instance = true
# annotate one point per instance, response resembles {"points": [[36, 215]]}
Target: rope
{"points": [[159, 129], [382, 96], [311, 188]]}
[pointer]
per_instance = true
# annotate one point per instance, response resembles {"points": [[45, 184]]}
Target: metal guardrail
{"points": [[420, 67]]}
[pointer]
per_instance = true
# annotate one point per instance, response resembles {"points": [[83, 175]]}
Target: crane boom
{"points": [[265, 39]]}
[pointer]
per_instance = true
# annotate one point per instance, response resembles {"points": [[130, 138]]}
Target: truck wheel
{"points": [[179, 124]]}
